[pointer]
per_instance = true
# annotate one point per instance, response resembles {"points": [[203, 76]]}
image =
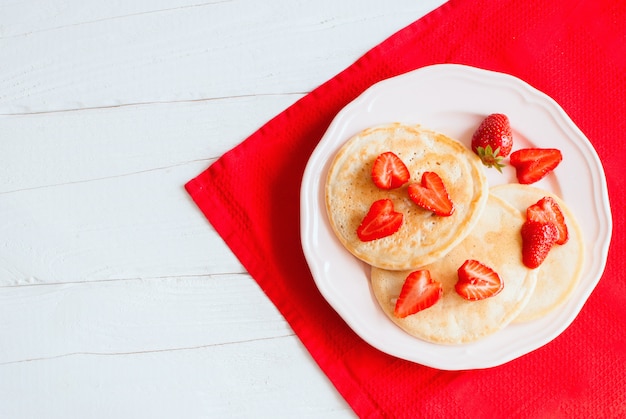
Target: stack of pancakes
{"points": [[485, 226]]}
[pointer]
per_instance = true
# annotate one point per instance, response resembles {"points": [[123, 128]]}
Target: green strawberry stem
{"points": [[490, 158]]}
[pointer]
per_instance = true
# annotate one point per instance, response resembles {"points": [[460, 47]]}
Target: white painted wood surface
{"points": [[117, 298]]}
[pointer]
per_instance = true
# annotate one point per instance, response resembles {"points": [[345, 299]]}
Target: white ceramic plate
{"points": [[453, 99]]}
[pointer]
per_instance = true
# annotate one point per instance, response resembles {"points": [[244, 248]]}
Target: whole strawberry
{"points": [[493, 140], [537, 240]]}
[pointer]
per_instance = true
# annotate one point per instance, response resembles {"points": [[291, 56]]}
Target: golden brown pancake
{"points": [[496, 242], [559, 274], [423, 236]]}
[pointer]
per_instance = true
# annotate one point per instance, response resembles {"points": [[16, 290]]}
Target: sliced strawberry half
{"points": [[532, 164], [380, 221], [477, 281], [419, 292], [547, 210], [389, 171], [537, 240], [432, 195]]}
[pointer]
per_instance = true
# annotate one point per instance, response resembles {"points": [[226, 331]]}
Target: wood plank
{"points": [[40, 150], [155, 348], [142, 225], [215, 50], [133, 316], [35, 16], [264, 378]]}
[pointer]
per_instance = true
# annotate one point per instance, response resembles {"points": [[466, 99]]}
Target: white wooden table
{"points": [[117, 297]]}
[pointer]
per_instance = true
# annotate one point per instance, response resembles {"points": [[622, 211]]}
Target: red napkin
{"points": [[575, 51]]}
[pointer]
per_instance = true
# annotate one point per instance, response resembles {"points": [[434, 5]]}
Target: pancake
{"points": [[494, 241], [559, 274], [423, 236]]}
